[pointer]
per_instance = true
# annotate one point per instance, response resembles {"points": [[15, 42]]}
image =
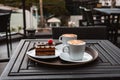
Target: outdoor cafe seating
{"points": [[45, 54], [112, 19], [104, 63], [105, 16]]}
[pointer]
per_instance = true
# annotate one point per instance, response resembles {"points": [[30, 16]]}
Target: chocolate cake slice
{"points": [[44, 49]]}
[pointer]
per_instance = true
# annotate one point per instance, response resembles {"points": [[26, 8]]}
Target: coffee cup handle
{"points": [[68, 51], [60, 39]]}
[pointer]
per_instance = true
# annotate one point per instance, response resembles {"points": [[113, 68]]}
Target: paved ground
{"points": [[3, 54]]}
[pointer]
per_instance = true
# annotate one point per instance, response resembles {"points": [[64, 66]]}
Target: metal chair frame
{"points": [[88, 18], [5, 27]]}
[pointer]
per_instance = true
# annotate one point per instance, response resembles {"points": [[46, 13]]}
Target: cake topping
{"points": [[50, 41]]}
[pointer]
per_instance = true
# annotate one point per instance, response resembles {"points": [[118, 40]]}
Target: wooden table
{"points": [[106, 66], [112, 19]]}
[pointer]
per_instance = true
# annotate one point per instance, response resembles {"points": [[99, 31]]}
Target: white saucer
{"points": [[32, 54], [65, 56], [59, 46]]}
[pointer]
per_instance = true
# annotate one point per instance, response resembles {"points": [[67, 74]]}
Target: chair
{"points": [[113, 23], [88, 18], [84, 18], [5, 27], [91, 32], [30, 33]]}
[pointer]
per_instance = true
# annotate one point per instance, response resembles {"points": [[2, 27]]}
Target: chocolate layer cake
{"points": [[44, 49]]}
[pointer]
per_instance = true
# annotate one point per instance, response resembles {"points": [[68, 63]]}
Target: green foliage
{"points": [[52, 7], [18, 3], [13, 29], [14, 3], [55, 7]]}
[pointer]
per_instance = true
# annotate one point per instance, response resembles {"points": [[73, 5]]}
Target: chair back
{"points": [[89, 16], [82, 9], [5, 20], [5, 11], [88, 32]]}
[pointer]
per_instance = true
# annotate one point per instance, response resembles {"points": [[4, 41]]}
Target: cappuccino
{"points": [[76, 42], [75, 49], [66, 37], [69, 35]]}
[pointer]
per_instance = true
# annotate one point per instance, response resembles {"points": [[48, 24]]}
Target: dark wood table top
{"points": [[109, 11], [106, 66]]}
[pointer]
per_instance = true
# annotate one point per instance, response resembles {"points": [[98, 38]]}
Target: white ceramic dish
{"points": [[86, 58], [59, 46], [32, 54]]}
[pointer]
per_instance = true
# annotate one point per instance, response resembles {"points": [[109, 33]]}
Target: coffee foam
{"points": [[69, 35], [76, 42]]}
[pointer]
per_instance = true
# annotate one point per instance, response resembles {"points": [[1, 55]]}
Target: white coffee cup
{"points": [[75, 49], [66, 37]]}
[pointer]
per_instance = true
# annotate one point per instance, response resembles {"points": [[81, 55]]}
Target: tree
{"points": [[41, 13], [55, 7]]}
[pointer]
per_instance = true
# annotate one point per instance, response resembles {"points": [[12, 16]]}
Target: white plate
{"points": [[32, 54], [59, 46], [65, 56]]}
